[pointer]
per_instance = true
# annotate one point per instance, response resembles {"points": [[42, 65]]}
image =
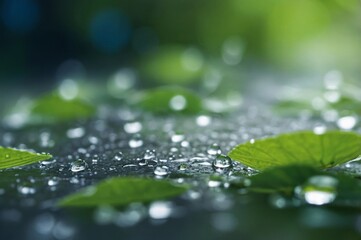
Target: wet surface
{"points": [[123, 142]]}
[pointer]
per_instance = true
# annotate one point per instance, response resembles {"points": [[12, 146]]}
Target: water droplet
{"points": [[160, 210], [178, 103], [68, 89], [133, 127], [131, 166], [222, 164], [95, 159], [48, 162], [177, 137], [214, 150], [203, 120], [149, 155], [320, 129], [214, 183], [78, 165], [161, 171], [347, 123], [280, 201], [74, 180], [118, 156], [93, 140], [136, 141], [53, 181], [26, 190], [45, 140], [7, 155], [318, 190], [122, 81], [185, 144], [75, 132]]}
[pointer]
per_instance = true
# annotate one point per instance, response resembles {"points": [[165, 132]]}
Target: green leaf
{"points": [[174, 65], [285, 179], [13, 158], [165, 100], [318, 150], [121, 191], [53, 108], [282, 179]]}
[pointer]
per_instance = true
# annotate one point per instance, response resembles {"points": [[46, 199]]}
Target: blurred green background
{"points": [[175, 41]]}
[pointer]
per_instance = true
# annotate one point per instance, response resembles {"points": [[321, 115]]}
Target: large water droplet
{"points": [[78, 165], [222, 164], [318, 190]]}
